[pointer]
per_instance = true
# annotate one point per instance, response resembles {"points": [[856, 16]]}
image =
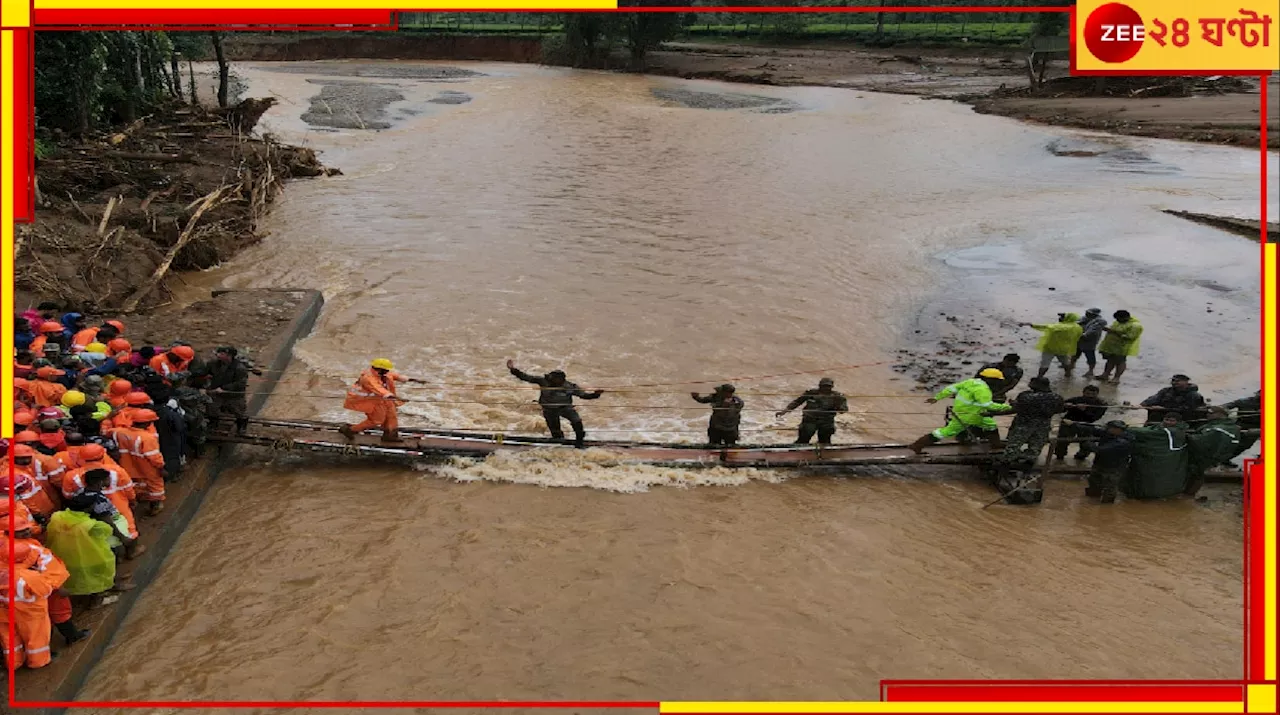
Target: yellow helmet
{"points": [[992, 373], [72, 398], [95, 348], [383, 364]]}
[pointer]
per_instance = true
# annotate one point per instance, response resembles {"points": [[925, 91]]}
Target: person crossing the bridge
{"points": [[374, 394], [820, 409], [555, 396], [226, 382], [726, 415], [972, 403]]}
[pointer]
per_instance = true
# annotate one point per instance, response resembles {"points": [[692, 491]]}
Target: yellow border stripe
{"points": [[1269, 461], [15, 13], [708, 708], [7, 106], [317, 4]]}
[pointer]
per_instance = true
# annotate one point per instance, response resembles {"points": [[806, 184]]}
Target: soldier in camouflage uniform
{"points": [[196, 408], [1033, 414], [820, 408], [227, 383], [726, 415]]}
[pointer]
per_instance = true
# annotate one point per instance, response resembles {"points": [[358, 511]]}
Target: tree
{"points": [[223, 69], [584, 33], [644, 31]]}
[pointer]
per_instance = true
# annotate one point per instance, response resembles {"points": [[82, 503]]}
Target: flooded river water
{"points": [[649, 233]]}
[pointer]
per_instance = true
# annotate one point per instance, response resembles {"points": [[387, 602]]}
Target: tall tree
{"points": [[644, 31], [224, 70]]}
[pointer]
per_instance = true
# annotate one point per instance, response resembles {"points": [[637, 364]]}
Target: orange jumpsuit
{"points": [[140, 456], [161, 365], [21, 514], [119, 490], [123, 418], [46, 393], [82, 339], [47, 471], [54, 569], [35, 496], [31, 624], [369, 395]]}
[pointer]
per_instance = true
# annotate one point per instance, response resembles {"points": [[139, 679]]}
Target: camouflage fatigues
{"points": [[233, 379], [196, 408], [1029, 432], [819, 414], [726, 416]]}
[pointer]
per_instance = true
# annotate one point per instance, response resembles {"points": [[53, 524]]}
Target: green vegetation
{"points": [[884, 26], [87, 80]]}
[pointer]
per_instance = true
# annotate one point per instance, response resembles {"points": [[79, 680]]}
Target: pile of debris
{"points": [[1133, 87], [183, 189]]}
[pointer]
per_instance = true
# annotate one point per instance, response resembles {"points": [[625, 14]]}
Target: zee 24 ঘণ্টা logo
{"points": [[1115, 33]]}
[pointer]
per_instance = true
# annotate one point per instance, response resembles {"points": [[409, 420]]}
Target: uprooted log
{"points": [[210, 200]]}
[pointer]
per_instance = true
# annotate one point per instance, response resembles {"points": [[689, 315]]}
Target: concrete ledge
{"points": [[61, 680]]}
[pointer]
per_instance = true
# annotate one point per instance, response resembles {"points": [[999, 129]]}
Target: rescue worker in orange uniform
{"points": [[177, 359], [135, 402], [60, 611], [22, 391], [120, 349], [30, 598], [45, 390], [118, 393], [374, 394], [141, 458], [38, 497], [46, 469], [25, 524], [49, 331], [119, 489]]}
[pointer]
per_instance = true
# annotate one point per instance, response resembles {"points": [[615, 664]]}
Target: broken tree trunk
{"points": [[209, 201]]}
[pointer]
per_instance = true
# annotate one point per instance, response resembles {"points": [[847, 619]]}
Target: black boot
{"points": [[919, 445], [579, 440], [242, 424], [70, 633]]}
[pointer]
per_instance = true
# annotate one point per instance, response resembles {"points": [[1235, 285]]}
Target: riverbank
{"points": [[265, 324], [992, 80], [118, 215]]}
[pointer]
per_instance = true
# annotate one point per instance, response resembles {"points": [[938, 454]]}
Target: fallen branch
{"points": [[131, 303], [106, 215]]}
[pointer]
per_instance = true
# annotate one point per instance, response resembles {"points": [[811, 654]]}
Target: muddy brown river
{"points": [[654, 236]]}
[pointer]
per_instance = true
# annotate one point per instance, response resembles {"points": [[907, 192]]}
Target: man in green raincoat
{"points": [[1214, 443], [1059, 341], [1120, 344], [973, 402], [1159, 465]]}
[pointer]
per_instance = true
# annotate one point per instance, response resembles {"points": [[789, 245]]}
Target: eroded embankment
{"points": [[182, 189]]}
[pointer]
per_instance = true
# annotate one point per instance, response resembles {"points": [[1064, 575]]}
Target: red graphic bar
{"points": [[49, 18], [1255, 497], [1075, 692], [23, 108]]}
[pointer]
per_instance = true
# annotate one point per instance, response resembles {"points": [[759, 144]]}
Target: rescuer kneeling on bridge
{"points": [[374, 394]]}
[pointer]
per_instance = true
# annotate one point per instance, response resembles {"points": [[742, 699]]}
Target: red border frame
{"points": [[891, 690]]}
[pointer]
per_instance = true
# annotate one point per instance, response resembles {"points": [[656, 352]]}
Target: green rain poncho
{"points": [[1122, 339], [1159, 465], [1214, 443], [1060, 338], [82, 543]]}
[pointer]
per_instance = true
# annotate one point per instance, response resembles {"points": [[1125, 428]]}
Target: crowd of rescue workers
{"points": [[101, 426]]}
